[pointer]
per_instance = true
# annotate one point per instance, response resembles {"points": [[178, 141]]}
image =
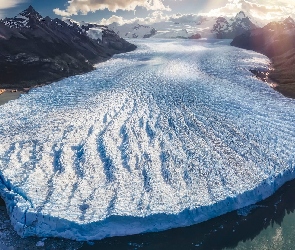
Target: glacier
{"points": [[170, 135]]}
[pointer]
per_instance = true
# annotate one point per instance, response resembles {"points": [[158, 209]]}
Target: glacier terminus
{"points": [[170, 135]]}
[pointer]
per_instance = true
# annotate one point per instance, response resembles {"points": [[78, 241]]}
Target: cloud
{"points": [[61, 12], [262, 12], [154, 17], [185, 18], [75, 7], [116, 19], [5, 4], [263, 9]]}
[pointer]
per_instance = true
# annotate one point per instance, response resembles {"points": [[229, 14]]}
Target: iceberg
{"points": [[170, 135]]}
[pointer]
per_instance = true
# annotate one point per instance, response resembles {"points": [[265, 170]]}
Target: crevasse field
{"points": [[172, 134]]}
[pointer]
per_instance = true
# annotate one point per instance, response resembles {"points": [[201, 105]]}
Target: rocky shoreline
{"points": [[276, 40], [281, 79], [283, 73]]}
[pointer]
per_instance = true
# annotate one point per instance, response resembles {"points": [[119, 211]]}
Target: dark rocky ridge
{"points": [[277, 41], [36, 50]]}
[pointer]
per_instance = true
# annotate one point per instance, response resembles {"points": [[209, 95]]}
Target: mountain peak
{"points": [[241, 15], [30, 8], [30, 12], [289, 20]]}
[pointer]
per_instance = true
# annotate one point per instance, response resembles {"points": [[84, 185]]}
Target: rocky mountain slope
{"points": [[277, 41], [36, 50]]}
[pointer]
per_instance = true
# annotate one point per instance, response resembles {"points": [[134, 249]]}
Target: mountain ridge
{"points": [[36, 50], [277, 41], [205, 27], [229, 29]]}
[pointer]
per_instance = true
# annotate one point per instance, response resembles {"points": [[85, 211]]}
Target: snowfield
{"points": [[172, 134]]}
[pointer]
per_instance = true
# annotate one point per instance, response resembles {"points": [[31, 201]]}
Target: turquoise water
{"points": [[277, 236]]}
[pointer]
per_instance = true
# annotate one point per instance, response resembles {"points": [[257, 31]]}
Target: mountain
{"points": [[277, 41], [23, 19], [229, 29], [183, 34], [272, 40], [165, 29], [36, 50], [191, 26], [132, 30]]}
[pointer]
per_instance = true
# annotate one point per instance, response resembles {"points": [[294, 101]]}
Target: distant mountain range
{"points": [[206, 27], [36, 50], [233, 27], [132, 31]]}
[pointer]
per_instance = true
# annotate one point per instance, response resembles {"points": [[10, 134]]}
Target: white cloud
{"points": [[115, 19], [61, 13], [186, 18], [75, 7], [262, 12], [263, 9], [154, 17], [6, 4]]}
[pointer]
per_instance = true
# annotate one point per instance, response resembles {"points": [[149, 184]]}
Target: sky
{"points": [[149, 11]]}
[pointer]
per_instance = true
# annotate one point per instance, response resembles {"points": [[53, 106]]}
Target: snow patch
{"points": [[95, 33]]}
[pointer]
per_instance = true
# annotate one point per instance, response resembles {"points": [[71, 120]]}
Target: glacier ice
{"points": [[172, 134]]}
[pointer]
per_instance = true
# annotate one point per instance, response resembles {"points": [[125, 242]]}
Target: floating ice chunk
{"points": [[40, 244]]}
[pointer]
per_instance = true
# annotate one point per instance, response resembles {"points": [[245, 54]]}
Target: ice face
{"points": [[172, 134]]}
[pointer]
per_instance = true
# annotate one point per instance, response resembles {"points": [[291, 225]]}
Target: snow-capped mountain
{"points": [[35, 50], [95, 31], [193, 27], [92, 30], [132, 30], [182, 33], [165, 29], [229, 29], [22, 20]]}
